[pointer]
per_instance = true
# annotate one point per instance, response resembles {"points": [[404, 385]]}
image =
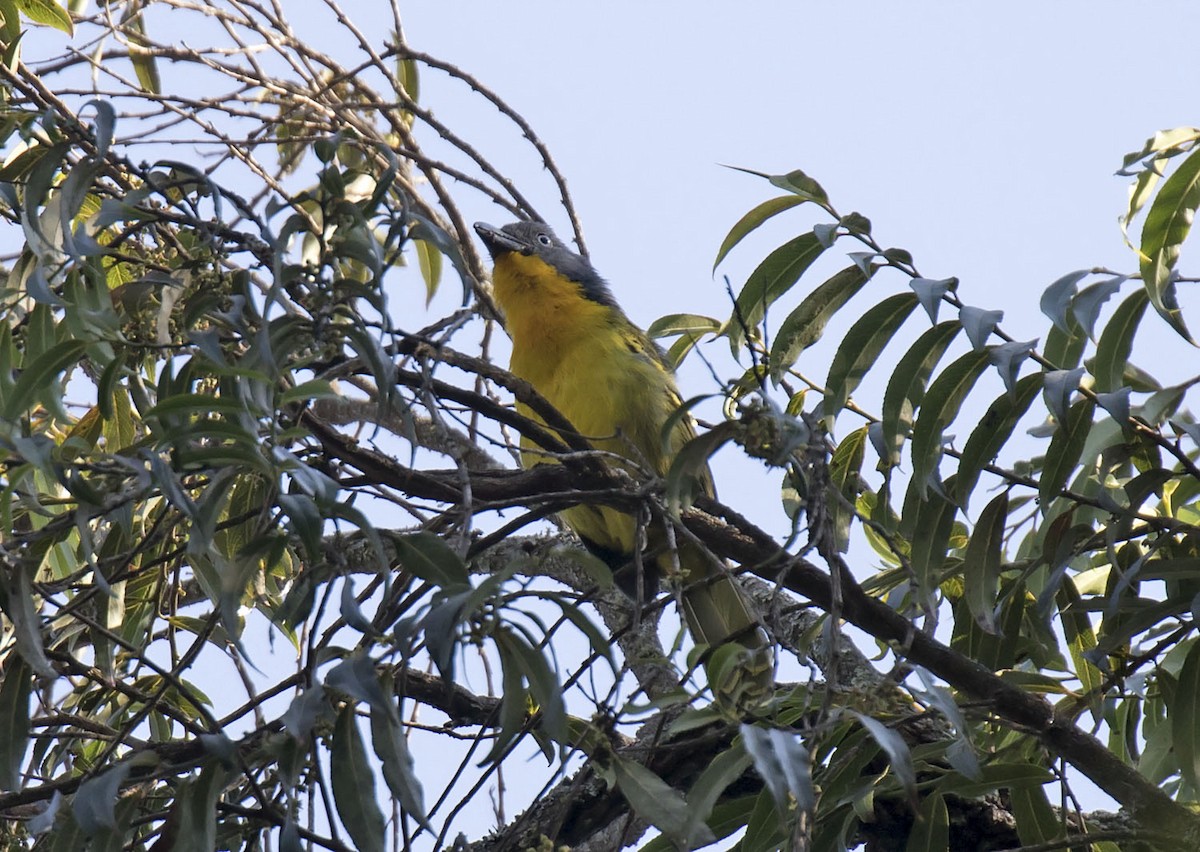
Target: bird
{"points": [[577, 348]]}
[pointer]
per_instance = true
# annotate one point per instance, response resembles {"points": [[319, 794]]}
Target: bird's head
{"points": [[530, 251]]}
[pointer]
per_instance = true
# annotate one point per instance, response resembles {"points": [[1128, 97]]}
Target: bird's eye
{"points": [[544, 239]]}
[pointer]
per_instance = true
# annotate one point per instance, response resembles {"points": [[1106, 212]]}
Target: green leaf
{"points": [[659, 804], [1036, 821], [783, 763], [753, 220], [981, 563], [932, 522], [690, 464], [931, 830], [673, 324], [17, 602], [430, 261], [896, 749], [1065, 449], [145, 65], [803, 326], [387, 739], [429, 558], [36, 378], [49, 13], [196, 805], [995, 776], [1065, 349], [860, 349], [778, 272], [96, 799], [16, 687], [544, 687], [410, 83], [1167, 225], [845, 469], [1081, 639], [514, 701], [1116, 342], [691, 328], [795, 181], [357, 678], [1185, 717], [764, 828], [938, 409], [906, 388], [354, 785], [801, 184], [724, 769], [993, 431]]}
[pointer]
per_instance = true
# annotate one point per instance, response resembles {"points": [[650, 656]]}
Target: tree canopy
{"points": [[270, 576]]}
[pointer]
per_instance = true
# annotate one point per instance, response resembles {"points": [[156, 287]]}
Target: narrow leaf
{"points": [[724, 769], [196, 805], [1056, 299], [673, 324], [778, 272], [1086, 306], [1036, 821], [35, 378], [753, 220], [906, 388], [993, 431], [660, 804], [938, 409], [803, 326], [931, 519], [1167, 225], [931, 830], [1065, 449], [428, 557], [49, 13], [981, 564], [1116, 342], [1008, 358], [15, 691], [783, 763], [860, 349], [896, 750], [387, 739], [354, 785], [1064, 349], [1060, 386], [429, 259], [845, 470], [17, 602], [96, 799]]}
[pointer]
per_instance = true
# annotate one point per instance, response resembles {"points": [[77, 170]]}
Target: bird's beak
{"points": [[497, 241]]}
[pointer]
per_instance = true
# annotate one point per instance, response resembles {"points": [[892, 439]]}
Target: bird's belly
{"points": [[610, 398], [607, 394]]}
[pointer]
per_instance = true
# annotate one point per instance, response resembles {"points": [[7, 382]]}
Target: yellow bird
{"points": [[574, 344]]}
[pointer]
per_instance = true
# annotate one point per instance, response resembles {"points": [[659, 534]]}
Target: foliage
{"points": [[233, 458]]}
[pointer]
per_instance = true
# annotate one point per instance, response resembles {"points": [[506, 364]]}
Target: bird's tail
{"points": [[741, 666]]}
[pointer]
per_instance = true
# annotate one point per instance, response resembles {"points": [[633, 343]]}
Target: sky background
{"points": [[981, 137]]}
